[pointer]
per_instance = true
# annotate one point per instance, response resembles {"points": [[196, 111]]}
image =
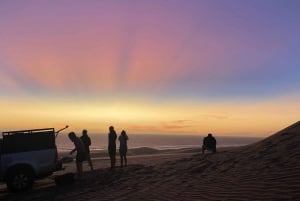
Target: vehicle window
{"points": [[22, 142]]}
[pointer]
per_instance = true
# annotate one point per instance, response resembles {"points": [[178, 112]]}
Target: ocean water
{"points": [[159, 142]]}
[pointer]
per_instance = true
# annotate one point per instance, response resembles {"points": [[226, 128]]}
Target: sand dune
{"points": [[267, 170]]}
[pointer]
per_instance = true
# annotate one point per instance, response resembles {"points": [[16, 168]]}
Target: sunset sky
{"points": [[229, 67]]}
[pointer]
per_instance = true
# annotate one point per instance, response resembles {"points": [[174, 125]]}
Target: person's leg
{"points": [[112, 156], [114, 161], [79, 168], [214, 149], [125, 158], [121, 156], [79, 165], [111, 160], [90, 161]]}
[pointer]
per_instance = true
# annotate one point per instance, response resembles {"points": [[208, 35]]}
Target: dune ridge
{"points": [[267, 170]]}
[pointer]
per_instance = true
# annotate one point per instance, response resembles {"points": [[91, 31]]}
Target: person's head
{"points": [[72, 136], [209, 135], [84, 132], [123, 132], [111, 128]]}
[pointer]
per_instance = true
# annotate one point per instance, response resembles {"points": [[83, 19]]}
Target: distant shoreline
{"points": [[143, 151], [161, 143], [135, 152]]}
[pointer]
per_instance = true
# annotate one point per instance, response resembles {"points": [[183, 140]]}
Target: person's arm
{"points": [[89, 141], [72, 151]]}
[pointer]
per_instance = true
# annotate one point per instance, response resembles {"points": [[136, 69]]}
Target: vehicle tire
{"points": [[20, 179]]}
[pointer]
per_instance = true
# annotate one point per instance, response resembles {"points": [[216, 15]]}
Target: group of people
{"points": [[82, 147], [123, 138]]}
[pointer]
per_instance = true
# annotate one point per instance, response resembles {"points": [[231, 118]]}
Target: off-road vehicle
{"points": [[27, 155]]}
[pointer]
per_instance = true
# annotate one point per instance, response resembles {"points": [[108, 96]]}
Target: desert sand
{"points": [[266, 170]]}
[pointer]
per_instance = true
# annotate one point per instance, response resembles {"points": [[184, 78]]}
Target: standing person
{"points": [[112, 136], [123, 147], [81, 154], [209, 143], [86, 140]]}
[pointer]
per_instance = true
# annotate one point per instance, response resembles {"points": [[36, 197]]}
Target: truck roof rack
{"points": [[31, 131], [28, 140]]}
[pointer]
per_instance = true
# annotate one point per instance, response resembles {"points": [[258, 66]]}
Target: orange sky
{"points": [[143, 116]]}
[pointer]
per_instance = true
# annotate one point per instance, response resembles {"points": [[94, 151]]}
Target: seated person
{"points": [[209, 143]]}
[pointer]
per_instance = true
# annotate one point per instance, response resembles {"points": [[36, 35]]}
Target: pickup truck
{"points": [[27, 155]]}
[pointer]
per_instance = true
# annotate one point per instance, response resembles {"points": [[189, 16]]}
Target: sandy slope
{"points": [[267, 170]]}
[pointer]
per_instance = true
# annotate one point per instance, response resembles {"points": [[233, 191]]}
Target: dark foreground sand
{"points": [[267, 170]]}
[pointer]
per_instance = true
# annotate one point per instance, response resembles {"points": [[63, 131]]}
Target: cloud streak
{"points": [[119, 51]]}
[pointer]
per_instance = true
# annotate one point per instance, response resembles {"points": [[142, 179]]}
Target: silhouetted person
{"points": [[123, 147], [87, 142], [112, 136], [81, 153], [209, 143]]}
